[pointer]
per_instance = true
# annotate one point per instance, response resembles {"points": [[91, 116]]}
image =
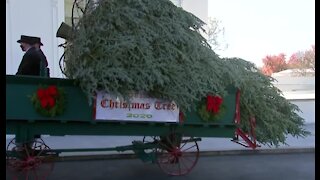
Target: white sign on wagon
{"points": [[139, 108]]}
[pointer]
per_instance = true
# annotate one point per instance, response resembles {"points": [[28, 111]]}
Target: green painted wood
{"points": [[229, 102], [115, 128], [19, 106], [23, 121]]}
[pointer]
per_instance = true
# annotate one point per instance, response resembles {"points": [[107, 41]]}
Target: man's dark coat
{"points": [[30, 63], [44, 62]]}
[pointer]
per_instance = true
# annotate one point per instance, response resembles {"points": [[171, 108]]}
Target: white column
{"points": [[9, 41], [40, 18]]}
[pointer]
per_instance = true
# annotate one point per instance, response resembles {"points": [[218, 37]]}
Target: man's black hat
{"points": [[37, 40], [29, 40]]}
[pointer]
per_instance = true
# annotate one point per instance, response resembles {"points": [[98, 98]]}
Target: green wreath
{"points": [[49, 101]]}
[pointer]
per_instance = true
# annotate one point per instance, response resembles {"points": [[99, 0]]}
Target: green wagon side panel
{"points": [[229, 104], [23, 121], [19, 106]]}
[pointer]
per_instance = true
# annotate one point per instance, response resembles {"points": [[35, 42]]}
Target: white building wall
{"points": [[39, 18], [199, 8], [299, 90], [307, 108]]}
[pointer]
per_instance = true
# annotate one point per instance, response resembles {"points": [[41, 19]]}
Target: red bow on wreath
{"points": [[47, 96], [214, 103]]}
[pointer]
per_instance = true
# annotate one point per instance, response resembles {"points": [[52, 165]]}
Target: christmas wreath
{"points": [[212, 109], [49, 101]]}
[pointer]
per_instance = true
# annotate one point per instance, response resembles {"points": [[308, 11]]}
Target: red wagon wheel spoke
{"points": [[26, 149], [189, 148], [183, 145], [177, 155], [165, 146], [30, 160]]}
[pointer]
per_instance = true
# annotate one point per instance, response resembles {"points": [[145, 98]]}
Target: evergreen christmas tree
{"points": [[121, 46]]}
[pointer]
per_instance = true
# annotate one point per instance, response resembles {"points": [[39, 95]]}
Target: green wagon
{"points": [[172, 145]]}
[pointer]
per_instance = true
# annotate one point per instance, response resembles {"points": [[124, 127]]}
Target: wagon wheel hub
{"points": [[32, 162], [176, 152]]}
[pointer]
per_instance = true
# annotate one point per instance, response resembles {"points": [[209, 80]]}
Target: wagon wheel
{"points": [[177, 154], [29, 160], [81, 8], [78, 9]]}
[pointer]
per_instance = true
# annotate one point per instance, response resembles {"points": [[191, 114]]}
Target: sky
{"points": [[257, 28]]}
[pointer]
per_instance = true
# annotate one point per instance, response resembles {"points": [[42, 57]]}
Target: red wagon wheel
{"points": [[177, 154], [30, 160]]}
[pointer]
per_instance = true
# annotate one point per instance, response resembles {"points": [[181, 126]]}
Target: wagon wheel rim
{"points": [[177, 156], [32, 160]]}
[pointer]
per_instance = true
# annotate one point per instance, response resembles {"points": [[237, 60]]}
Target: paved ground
{"points": [[220, 158], [206, 144], [293, 166]]}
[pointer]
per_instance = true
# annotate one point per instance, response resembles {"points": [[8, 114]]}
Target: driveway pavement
{"points": [[206, 144]]}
